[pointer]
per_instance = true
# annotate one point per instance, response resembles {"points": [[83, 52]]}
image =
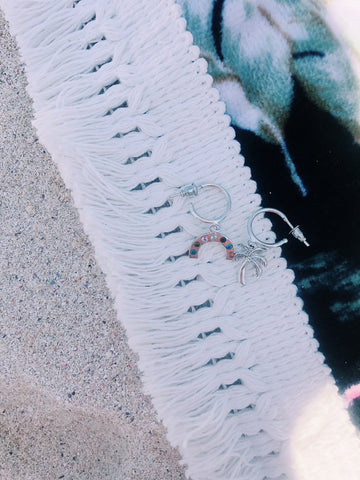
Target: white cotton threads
{"points": [[128, 113]]}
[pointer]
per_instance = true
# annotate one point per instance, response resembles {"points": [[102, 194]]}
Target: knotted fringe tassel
{"points": [[125, 107]]}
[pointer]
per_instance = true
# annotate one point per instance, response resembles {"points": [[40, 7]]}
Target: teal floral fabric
{"points": [[257, 49], [294, 99]]}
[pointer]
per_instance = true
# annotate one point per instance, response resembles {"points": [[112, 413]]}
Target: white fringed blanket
{"points": [[125, 107]]}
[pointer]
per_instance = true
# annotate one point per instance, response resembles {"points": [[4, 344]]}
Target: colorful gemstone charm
{"points": [[212, 237]]}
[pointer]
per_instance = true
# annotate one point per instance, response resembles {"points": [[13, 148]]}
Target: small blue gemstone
{"points": [[192, 252], [229, 246]]}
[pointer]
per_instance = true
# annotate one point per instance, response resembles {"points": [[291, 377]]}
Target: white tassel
{"points": [[127, 111]]}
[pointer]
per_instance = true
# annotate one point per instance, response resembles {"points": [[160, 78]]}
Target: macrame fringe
{"points": [[125, 107]]}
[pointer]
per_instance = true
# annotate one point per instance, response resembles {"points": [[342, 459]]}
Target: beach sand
{"points": [[71, 401]]}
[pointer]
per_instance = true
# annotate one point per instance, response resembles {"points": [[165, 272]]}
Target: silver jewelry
{"points": [[253, 254], [214, 234], [295, 231]]}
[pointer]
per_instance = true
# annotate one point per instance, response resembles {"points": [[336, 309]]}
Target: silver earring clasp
{"points": [[295, 231], [253, 254], [192, 190], [214, 234]]}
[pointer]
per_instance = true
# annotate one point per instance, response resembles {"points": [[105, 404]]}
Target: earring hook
{"points": [[192, 189], [295, 231]]}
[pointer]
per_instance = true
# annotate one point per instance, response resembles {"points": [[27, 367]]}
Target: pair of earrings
{"points": [[251, 255]]}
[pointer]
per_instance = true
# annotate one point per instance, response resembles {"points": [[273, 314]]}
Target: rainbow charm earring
{"points": [[214, 234], [253, 254]]}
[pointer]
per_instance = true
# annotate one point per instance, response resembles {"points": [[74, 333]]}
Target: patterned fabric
{"points": [[290, 86], [128, 114]]}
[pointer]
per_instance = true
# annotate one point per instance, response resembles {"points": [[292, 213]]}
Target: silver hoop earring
{"points": [[295, 231], [214, 234], [253, 254]]}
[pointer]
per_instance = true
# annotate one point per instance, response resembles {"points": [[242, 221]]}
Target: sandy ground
{"points": [[71, 401]]}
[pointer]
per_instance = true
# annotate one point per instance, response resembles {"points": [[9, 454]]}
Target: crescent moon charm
{"points": [[210, 238]]}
